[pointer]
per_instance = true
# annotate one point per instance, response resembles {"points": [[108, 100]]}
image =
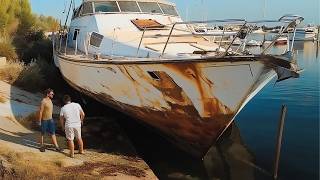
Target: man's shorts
{"points": [[72, 132], [48, 126]]}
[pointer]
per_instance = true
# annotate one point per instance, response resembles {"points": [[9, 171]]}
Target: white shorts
{"points": [[72, 132]]}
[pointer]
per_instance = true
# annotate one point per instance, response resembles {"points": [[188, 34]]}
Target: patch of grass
{"points": [[11, 72], [28, 165], [28, 77], [8, 51]]}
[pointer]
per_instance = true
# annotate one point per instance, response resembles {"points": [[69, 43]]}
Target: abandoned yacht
{"points": [[141, 58]]}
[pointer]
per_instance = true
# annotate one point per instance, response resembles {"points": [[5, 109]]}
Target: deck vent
{"points": [[96, 39], [154, 75], [148, 24]]}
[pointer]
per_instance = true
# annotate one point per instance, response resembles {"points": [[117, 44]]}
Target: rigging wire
{"points": [[65, 7], [74, 5], [65, 23]]}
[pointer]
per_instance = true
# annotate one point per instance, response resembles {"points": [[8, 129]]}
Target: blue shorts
{"points": [[48, 126]]}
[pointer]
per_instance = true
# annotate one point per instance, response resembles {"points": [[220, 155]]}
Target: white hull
{"points": [[191, 102]]}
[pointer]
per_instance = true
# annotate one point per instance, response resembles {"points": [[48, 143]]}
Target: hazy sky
{"points": [[213, 9]]}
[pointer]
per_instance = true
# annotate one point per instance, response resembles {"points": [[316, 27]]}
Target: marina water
{"points": [[258, 122]]}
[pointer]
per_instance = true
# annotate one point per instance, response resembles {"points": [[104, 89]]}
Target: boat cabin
{"points": [[115, 28]]}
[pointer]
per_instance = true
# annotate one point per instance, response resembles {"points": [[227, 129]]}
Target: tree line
{"points": [[22, 32]]}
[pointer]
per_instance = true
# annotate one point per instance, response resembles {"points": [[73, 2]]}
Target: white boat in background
{"points": [[282, 40], [309, 32], [252, 42], [139, 57]]}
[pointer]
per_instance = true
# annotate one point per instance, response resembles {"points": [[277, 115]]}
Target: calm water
{"points": [[259, 120], [247, 149]]}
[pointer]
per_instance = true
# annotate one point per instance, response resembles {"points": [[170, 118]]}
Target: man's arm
{"points": [[41, 111], [82, 115], [62, 122]]}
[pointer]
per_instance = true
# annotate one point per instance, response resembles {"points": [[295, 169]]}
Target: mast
{"points": [[265, 9], [202, 10], [264, 17]]}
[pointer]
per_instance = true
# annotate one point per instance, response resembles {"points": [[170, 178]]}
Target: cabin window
{"points": [[87, 8], [96, 39], [150, 7], [75, 34], [168, 9], [128, 6], [106, 7]]}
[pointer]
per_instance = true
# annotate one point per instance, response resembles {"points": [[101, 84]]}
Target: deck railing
{"points": [[244, 29]]}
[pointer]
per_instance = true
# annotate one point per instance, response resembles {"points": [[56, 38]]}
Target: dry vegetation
{"points": [[29, 165], [23, 166], [29, 77], [8, 51], [11, 71]]}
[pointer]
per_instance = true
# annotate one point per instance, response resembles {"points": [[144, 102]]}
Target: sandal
{"points": [[58, 149], [42, 149]]}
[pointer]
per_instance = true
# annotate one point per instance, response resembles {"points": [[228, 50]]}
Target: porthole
{"points": [[154, 75]]}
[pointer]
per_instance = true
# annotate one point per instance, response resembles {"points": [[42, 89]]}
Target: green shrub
{"points": [[31, 78]]}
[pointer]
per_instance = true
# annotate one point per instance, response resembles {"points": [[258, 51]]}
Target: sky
{"points": [[212, 9]]}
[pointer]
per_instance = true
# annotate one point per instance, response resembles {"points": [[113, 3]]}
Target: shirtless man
{"points": [[46, 121]]}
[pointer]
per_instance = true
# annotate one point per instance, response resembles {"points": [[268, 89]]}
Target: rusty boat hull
{"points": [[191, 102]]}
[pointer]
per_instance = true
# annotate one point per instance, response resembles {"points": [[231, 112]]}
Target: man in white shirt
{"points": [[71, 119]]}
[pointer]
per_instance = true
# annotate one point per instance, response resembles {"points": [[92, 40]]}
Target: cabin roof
{"points": [[158, 1]]}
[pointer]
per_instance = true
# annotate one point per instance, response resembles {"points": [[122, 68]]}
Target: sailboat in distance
{"points": [[140, 57]]}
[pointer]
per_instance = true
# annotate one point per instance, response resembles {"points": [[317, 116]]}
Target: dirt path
{"points": [[111, 155]]}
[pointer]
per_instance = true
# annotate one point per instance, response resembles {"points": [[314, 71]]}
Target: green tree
{"points": [[21, 32]]}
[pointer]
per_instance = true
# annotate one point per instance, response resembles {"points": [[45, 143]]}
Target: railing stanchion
{"points": [[60, 42], [221, 38], [165, 46], [144, 30], [242, 27], [66, 44], [76, 46], [293, 38]]}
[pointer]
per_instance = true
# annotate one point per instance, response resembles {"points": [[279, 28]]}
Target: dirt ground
{"points": [[108, 155]]}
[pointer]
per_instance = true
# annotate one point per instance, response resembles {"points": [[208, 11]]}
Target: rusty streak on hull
{"points": [[182, 125]]}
